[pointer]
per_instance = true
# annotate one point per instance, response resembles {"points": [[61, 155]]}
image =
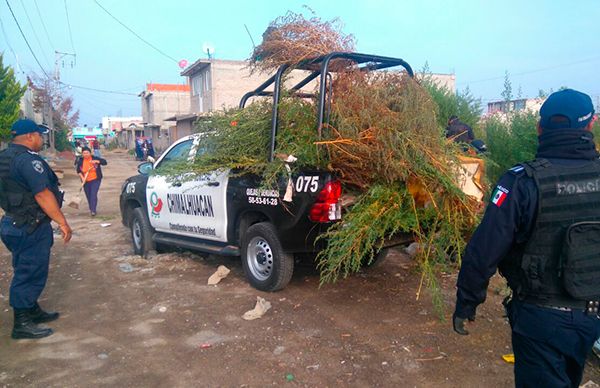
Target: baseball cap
{"points": [[24, 126], [577, 107]]}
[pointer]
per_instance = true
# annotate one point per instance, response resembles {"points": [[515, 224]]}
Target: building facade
{"points": [[160, 101], [124, 129], [521, 104]]}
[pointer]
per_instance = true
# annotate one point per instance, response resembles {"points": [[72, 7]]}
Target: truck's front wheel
{"points": [[141, 233], [267, 266]]}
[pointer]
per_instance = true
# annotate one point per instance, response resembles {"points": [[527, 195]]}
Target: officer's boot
{"points": [[40, 316], [25, 328]]}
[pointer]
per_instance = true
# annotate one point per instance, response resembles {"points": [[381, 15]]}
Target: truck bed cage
{"points": [[364, 62]]}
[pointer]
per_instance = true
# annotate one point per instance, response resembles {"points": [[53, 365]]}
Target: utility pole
{"points": [[59, 59]]}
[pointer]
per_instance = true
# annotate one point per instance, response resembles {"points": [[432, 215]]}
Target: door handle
{"points": [[176, 184], [213, 184]]}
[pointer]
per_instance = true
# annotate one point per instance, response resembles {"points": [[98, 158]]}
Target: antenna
{"points": [[209, 49], [250, 35]]}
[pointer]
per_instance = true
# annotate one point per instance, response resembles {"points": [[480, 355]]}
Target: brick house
{"points": [[160, 101]]}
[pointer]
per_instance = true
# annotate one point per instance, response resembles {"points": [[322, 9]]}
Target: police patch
{"points": [[499, 195], [517, 168], [38, 166]]}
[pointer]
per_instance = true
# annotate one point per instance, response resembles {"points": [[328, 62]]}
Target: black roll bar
{"points": [[364, 62]]}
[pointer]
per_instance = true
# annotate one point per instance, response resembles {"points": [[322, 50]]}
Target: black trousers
{"points": [[30, 260], [550, 345]]}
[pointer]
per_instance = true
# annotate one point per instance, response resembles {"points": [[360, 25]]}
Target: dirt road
{"points": [[128, 322]]}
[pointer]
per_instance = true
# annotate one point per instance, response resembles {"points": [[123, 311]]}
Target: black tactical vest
{"points": [[561, 260], [16, 200]]}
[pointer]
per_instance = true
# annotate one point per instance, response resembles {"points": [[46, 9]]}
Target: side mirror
{"points": [[145, 168]]}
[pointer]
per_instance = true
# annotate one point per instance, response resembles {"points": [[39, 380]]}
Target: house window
{"points": [[197, 83], [520, 105], [207, 81]]}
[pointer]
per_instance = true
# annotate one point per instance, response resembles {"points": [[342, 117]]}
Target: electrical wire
{"points": [[43, 24], [97, 90], [134, 33], [26, 41], [34, 34], [593, 59], [6, 38], [69, 26]]}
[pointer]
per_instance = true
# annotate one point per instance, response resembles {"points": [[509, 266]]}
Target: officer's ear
{"points": [[539, 129], [590, 125]]}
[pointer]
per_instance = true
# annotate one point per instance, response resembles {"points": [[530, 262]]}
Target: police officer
{"points": [[542, 230], [459, 131], [30, 197]]}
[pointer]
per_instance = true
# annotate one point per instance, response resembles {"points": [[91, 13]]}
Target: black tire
{"points": [[141, 233], [266, 265]]}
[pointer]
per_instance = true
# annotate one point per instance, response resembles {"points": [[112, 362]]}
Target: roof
{"points": [[203, 62], [188, 116], [152, 87]]}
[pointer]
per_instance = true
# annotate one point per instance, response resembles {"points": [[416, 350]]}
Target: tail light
{"points": [[328, 207]]}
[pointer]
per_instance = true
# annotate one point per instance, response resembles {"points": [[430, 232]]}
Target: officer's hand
{"points": [[459, 324], [66, 231]]}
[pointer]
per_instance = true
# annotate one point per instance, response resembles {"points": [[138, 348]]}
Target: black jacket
{"points": [[505, 224], [79, 163], [460, 131]]}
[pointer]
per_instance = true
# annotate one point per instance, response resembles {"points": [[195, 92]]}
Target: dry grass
{"points": [[292, 38]]}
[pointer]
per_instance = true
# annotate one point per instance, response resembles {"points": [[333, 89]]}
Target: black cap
{"points": [[577, 107], [25, 126]]}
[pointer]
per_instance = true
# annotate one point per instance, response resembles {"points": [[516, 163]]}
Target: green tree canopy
{"points": [[10, 96], [462, 104]]}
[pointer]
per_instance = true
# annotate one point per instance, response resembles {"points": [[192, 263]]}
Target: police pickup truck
{"points": [[229, 213]]}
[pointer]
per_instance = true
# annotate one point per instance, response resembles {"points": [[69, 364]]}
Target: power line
{"points": [[593, 59], [26, 41], [33, 30], [69, 25], [43, 24], [134, 33], [97, 90], [6, 38]]}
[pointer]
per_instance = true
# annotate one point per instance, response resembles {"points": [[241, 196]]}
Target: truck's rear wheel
{"points": [[267, 266], [141, 233]]}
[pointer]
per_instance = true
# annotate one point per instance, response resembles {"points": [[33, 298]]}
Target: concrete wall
{"points": [[445, 80], [159, 105], [27, 106], [183, 128]]}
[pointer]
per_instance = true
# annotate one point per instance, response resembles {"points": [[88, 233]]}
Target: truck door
{"points": [[188, 204], [158, 185], [197, 208]]}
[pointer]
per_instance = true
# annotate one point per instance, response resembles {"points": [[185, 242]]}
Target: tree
{"points": [[56, 107], [10, 96], [462, 104], [507, 92]]}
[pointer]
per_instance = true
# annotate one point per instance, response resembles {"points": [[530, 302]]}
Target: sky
{"points": [[542, 44]]}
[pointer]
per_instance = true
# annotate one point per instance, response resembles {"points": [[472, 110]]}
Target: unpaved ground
{"points": [[161, 325]]}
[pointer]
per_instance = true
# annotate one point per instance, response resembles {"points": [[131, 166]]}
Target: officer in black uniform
{"points": [[459, 131], [30, 197], [541, 229]]}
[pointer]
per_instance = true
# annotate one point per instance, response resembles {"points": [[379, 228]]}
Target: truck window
{"points": [[179, 153]]}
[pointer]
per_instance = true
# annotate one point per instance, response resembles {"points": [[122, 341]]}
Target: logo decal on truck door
{"points": [[156, 204]]}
